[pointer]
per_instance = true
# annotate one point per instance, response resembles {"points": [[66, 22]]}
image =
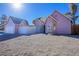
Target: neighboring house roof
{"points": [[17, 20], [39, 20], [24, 23], [3, 20], [51, 18], [61, 14], [43, 19], [70, 17]]}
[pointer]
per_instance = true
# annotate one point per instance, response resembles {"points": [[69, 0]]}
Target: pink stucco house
{"points": [[57, 23]]}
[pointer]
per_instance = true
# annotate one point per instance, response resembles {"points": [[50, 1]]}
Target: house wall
{"points": [[22, 28], [9, 27], [16, 28], [40, 29], [49, 26], [23, 23], [31, 30], [63, 24], [38, 23]]}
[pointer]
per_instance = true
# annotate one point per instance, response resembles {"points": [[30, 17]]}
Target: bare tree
{"points": [[73, 10]]}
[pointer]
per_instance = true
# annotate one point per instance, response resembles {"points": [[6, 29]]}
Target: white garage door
{"points": [[27, 30], [10, 30], [22, 30]]}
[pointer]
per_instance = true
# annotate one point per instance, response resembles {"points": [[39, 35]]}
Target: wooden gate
{"points": [[75, 29]]}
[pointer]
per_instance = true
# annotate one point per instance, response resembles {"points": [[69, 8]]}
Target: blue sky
{"points": [[30, 11]]}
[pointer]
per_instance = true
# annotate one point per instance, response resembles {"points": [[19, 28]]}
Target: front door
{"points": [[49, 28]]}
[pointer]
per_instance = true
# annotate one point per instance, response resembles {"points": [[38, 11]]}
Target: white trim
{"points": [[62, 15], [52, 18]]}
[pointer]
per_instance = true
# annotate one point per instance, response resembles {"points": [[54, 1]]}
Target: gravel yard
{"points": [[41, 45]]}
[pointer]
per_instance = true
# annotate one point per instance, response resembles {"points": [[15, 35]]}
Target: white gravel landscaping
{"points": [[40, 45]]}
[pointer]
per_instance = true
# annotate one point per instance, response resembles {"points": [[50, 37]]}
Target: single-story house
{"points": [[57, 23], [13, 24], [19, 26]]}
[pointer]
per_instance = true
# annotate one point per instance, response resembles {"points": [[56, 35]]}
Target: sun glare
{"points": [[17, 6]]}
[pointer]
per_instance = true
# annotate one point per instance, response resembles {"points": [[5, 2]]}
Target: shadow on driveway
{"points": [[72, 36], [4, 37]]}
